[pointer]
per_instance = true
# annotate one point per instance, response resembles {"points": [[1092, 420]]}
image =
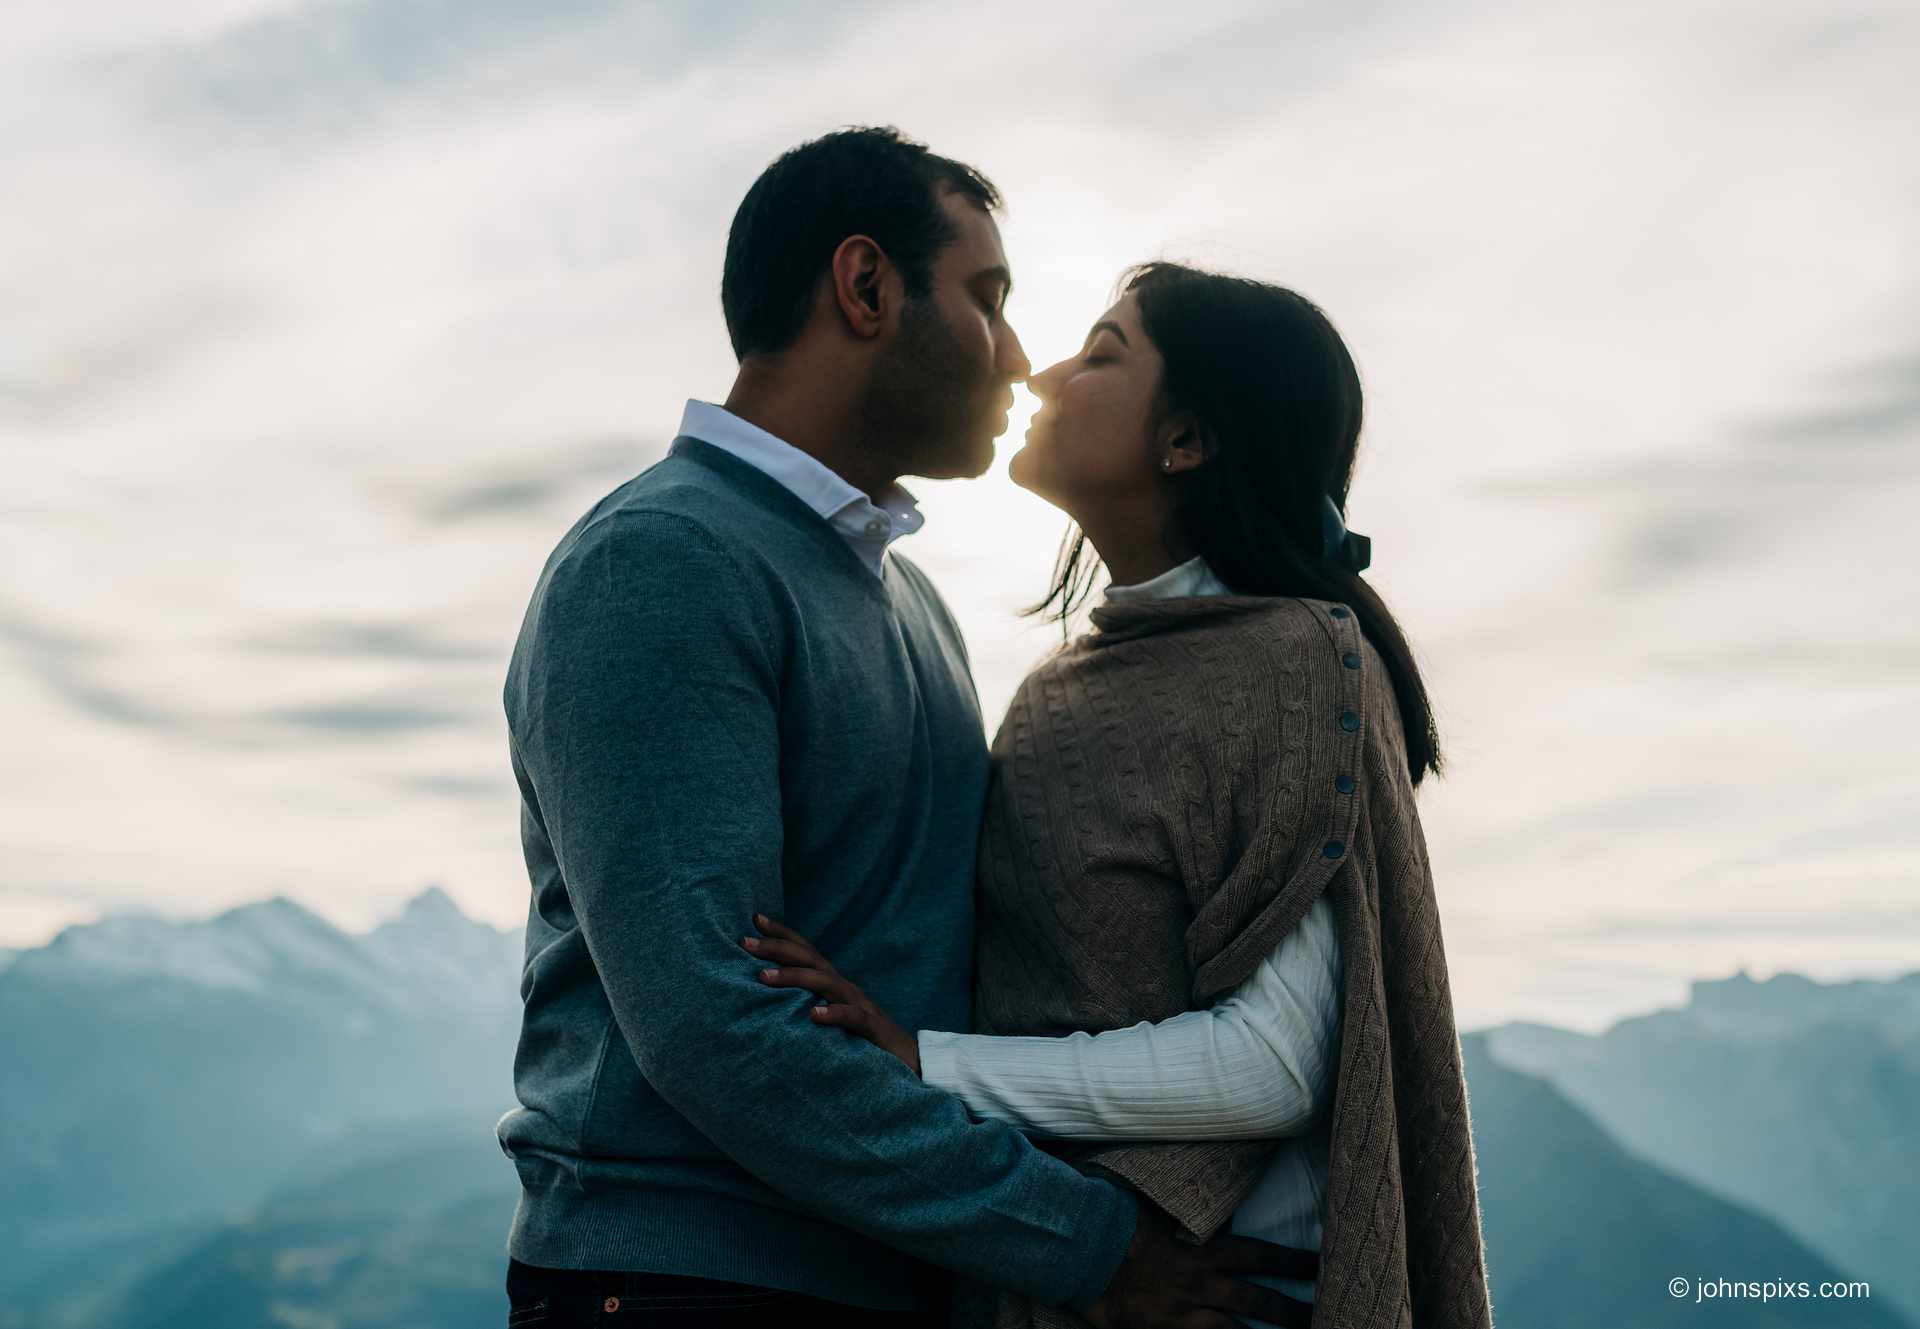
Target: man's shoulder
{"points": [[658, 538], [672, 512], [920, 586], [915, 578], [678, 490]]}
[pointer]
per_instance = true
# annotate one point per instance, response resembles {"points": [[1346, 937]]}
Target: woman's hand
{"points": [[802, 966]]}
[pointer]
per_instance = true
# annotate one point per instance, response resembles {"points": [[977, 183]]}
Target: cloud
{"points": [[1642, 813], [1855, 922], [1876, 404], [67, 665], [116, 706], [1662, 546], [92, 369], [43, 645], [1793, 477], [532, 484], [374, 639], [364, 719], [60, 661], [321, 72], [459, 787], [1876, 658]]}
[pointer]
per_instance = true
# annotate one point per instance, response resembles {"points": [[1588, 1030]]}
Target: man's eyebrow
{"points": [[1107, 325]]}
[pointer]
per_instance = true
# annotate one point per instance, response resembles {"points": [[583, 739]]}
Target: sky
{"points": [[321, 322]]}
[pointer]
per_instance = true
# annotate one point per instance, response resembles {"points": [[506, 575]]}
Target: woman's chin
{"points": [[1034, 479], [1020, 467]]}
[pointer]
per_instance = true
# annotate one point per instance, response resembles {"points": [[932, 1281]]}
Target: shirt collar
{"points": [[868, 528], [1192, 577]]}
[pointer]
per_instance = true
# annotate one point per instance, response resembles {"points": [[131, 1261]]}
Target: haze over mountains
{"points": [[1795, 1098], [257, 1119]]}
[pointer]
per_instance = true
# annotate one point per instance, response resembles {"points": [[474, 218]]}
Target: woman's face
{"points": [[1092, 444]]}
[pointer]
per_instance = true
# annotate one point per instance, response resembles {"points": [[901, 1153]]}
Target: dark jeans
{"points": [[573, 1298]]}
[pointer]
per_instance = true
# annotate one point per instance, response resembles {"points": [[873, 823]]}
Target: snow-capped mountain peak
{"points": [[430, 952], [435, 947]]}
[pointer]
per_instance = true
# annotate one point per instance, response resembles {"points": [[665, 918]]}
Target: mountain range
{"points": [[258, 1120], [163, 1074], [1794, 1098]]}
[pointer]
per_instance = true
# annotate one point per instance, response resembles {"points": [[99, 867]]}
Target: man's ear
{"points": [[862, 286]]}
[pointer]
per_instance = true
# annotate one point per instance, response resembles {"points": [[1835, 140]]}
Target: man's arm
{"points": [[649, 726], [1258, 1064]]}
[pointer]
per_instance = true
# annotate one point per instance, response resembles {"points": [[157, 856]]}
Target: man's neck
{"points": [[821, 426]]}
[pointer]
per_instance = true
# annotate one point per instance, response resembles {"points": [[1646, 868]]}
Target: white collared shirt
{"points": [[1192, 577], [868, 528]]}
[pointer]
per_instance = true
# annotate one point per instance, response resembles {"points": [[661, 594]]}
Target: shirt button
{"points": [[1344, 783], [1350, 660], [874, 527], [610, 1305], [1339, 611], [1334, 849], [1349, 721]]}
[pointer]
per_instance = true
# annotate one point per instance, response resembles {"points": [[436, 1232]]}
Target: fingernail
{"points": [[768, 973], [751, 943], [759, 918]]}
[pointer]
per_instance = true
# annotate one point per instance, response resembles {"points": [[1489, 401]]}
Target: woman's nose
{"points": [[1042, 384]]}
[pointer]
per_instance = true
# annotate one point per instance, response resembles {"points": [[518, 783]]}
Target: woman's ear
{"points": [[1183, 444]]}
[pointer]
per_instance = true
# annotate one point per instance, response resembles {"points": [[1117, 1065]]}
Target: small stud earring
{"points": [[1166, 463]]}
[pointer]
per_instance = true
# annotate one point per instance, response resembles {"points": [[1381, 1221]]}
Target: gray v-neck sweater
{"points": [[715, 708]]}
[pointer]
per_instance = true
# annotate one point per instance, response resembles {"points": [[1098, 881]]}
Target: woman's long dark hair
{"points": [[1278, 403]]}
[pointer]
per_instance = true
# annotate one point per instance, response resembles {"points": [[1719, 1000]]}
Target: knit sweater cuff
{"points": [[1109, 1222], [1106, 1225]]}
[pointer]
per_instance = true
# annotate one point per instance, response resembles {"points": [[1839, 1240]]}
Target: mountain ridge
{"points": [[430, 949], [1792, 1097]]}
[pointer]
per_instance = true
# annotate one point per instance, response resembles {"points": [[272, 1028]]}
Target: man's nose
{"points": [[1018, 368]]}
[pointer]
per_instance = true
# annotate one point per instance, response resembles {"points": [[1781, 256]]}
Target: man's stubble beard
{"points": [[924, 401]]}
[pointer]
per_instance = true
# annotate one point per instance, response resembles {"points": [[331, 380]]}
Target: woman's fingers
{"points": [[801, 976], [775, 928], [786, 952], [840, 1010]]}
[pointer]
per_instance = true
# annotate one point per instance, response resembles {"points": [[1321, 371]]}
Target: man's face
{"points": [[942, 387]]}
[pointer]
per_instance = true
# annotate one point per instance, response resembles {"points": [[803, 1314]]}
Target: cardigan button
{"points": [[1351, 660], [1344, 783], [1339, 611], [1334, 849], [610, 1305], [1349, 721]]}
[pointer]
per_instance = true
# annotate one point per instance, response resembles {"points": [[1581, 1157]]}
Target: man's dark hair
{"points": [[862, 181]]}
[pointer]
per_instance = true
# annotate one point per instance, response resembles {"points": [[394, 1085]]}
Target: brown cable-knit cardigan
{"points": [[1170, 794]]}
